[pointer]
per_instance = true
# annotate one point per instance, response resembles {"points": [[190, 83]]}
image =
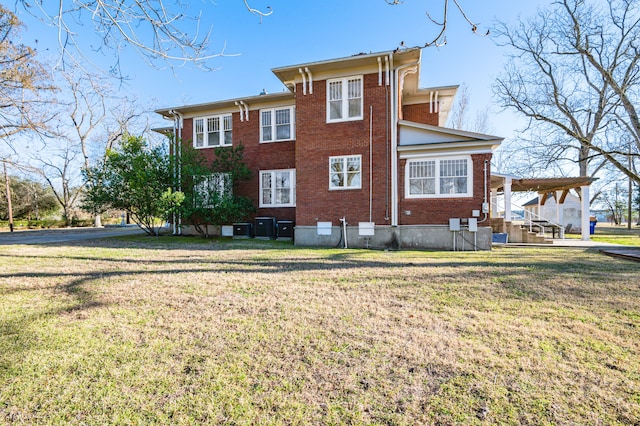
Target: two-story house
{"points": [[354, 151]]}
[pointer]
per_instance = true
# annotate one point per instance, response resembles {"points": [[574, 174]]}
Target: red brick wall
{"points": [[419, 113], [437, 211], [317, 140], [258, 156]]}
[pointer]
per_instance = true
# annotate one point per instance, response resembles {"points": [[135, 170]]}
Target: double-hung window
{"points": [[344, 99], [345, 172], [213, 131], [277, 124], [438, 177], [211, 189], [278, 188]]}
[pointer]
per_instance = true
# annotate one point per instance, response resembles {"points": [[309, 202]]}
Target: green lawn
{"points": [[616, 234], [181, 331]]}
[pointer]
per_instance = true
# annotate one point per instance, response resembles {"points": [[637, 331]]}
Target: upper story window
{"points": [[213, 131], [345, 172], [439, 177], [344, 99], [278, 188], [277, 124]]}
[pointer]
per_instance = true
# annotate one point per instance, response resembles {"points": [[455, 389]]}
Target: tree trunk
{"points": [[8, 190]]}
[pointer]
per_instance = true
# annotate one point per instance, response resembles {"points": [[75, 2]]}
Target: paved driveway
{"points": [[62, 235]]}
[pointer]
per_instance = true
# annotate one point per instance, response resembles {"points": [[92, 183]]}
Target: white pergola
{"points": [[543, 186]]}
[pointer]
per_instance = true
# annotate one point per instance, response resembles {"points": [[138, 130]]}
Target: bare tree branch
{"points": [[160, 31]]}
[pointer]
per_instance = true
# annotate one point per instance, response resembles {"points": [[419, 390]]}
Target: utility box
{"points": [[366, 229], [265, 228], [242, 230], [284, 230], [226, 231]]}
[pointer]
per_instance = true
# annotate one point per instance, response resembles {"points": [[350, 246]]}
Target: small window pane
{"points": [[335, 110], [228, 122], [283, 132], [335, 90], [354, 108], [266, 133], [213, 139], [266, 125], [266, 188]]}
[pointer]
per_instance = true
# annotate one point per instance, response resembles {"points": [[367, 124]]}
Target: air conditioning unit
{"points": [[284, 229], [242, 230], [265, 228]]}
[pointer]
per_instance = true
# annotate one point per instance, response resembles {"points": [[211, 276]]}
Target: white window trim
{"points": [[222, 184], [345, 188], [292, 195], [345, 99], [292, 116], [437, 160], [205, 119]]}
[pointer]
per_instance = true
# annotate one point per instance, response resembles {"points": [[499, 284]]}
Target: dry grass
{"points": [[159, 331]]}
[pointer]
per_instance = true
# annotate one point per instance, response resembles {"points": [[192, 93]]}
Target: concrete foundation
{"points": [[433, 237]]}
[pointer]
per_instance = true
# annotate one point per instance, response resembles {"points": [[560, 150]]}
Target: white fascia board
{"points": [[228, 105], [448, 149]]}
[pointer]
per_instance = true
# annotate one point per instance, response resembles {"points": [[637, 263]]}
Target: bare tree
{"points": [[60, 169], [159, 30], [24, 83], [442, 22], [459, 116], [573, 73], [89, 122]]}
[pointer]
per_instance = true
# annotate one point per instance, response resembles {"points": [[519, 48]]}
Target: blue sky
{"points": [[306, 31]]}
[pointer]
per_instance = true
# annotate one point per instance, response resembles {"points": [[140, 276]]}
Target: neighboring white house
{"points": [[566, 213]]}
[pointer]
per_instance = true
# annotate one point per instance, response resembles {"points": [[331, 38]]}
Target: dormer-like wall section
{"points": [[429, 105]]}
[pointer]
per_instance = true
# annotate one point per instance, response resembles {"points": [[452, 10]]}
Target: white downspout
{"points": [[394, 138], [386, 70], [379, 71], [304, 81], [310, 80], [241, 110], [246, 110], [179, 158], [177, 140], [371, 161], [394, 146]]}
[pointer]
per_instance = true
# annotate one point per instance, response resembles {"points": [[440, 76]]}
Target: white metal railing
{"points": [[529, 219]]}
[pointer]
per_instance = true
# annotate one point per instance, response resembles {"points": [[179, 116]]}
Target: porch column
{"points": [[584, 195], [559, 208], [507, 199], [495, 209]]}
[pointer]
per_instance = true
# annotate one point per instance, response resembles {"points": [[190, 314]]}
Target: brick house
{"points": [[354, 150]]}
